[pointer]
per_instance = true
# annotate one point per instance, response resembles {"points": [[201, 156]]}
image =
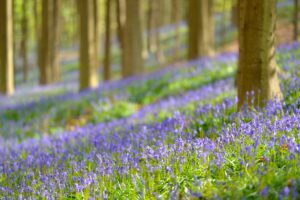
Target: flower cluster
{"points": [[202, 149]]}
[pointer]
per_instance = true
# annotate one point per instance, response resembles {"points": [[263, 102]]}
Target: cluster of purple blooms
{"points": [[48, 107], [95, 157], [132, 158]]}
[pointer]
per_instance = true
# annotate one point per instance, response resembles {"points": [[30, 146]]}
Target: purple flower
{"points": [[286, 191], [264, 192]]}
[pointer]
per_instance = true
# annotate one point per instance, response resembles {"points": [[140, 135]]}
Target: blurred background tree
{"points": [[56, 40], [6, 48]]}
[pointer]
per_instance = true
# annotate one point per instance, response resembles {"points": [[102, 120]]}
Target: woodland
{"points": [[149, 99]]}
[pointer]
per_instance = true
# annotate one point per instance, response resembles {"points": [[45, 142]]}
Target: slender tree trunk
{"points": [[24, 29], [75, 26], [211, 28], [224, 19], [49, 42], [240, 19], [155, 20], [15, 22], [6, 48], [121, 20], [193, 35], [37, 26], [56, 41], [88, 45], [296, 18], [164, 11], [107, 53], [96, 31], [234, 15], [257, 65], [45, 43], [133, 39], [201, 29], [150, 26], [176, 16], [158, 15]]}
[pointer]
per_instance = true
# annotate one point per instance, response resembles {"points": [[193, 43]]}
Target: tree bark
{"points": [[234, 14], [223, 23], [257, 71], [107, 52], [133, 39], [45, 40], [6, 48], [96, 31], [37, 26], [24, 38], [176, 16], [201, 29], [88, 45], [15, 21], [155, 20], [296, 18], [49, 42], [158, 15], [56, 41], [121, 20], [150, 27]]}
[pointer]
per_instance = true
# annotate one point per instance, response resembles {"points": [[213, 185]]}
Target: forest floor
{"points": [[173, 133]]}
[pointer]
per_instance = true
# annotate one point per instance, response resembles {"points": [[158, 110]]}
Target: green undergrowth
{"points": [[51, 116], [152, 90]]}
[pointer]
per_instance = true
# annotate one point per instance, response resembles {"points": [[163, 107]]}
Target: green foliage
{"points": [[116, 110], [160, 88]]}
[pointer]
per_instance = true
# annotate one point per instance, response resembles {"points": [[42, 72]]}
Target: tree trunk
{"points": [[234, 15], [24, 38], [133, 39], [37, 26], [165, 11], [107, 53], [296, 18], [121, 20], [96, 31], [155, 20], [223, 24], [15, 21], [49, 42], [45, 40], [56, 41], [150, 27], [176, 16], [158, 15], [6, 48], [257, 65], [88, 45], [201, 29]]}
